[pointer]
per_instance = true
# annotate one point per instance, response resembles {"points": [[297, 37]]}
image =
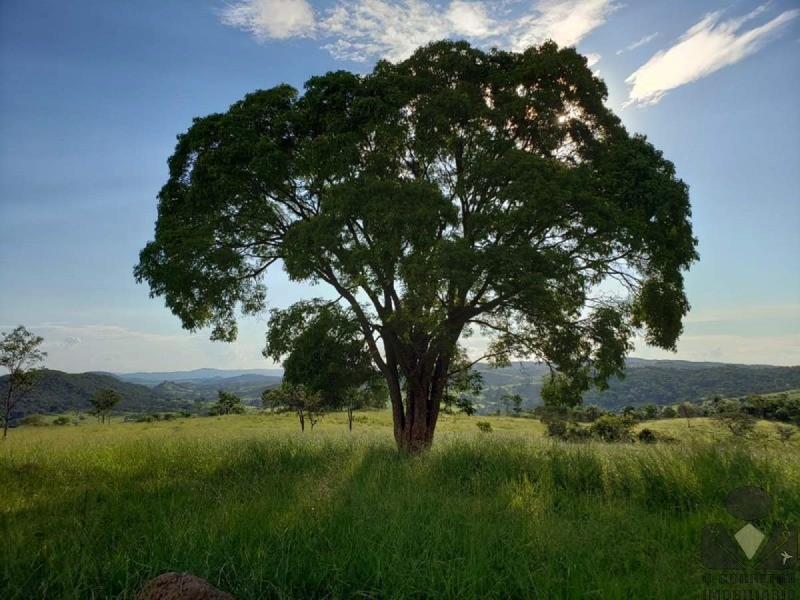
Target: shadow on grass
{"points": [[470, 519]]}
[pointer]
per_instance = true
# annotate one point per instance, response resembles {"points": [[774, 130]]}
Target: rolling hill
{"points": [[59, 392]]}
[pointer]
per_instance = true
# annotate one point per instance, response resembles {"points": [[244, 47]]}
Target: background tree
{"points": [[668, 412], [103, 401], [740, 424], [457, 190], [687, 411], [228, 404], [307, 405], [466, 406], [650, 411], [19, 353], [516, 404], [322, 348]]}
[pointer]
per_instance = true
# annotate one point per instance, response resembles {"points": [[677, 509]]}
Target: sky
{"points": [[93, 94]]}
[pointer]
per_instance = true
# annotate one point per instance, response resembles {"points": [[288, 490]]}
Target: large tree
{"points": [[456, 191]]}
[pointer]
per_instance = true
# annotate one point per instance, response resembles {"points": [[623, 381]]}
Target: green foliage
{"points": [[103, 401], [228, 404], [612, 428], [647, 436], [484, 426], [307, 405], [687, 411], [466, 406], [59, 392], [739, 424], [650, 411], [457, 189], [321, 346], [34, 420], [557, 428], [668, 413], [62, 420], [560, 391], [19, 353]]}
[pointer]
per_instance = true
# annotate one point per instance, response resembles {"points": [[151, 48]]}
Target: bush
{"points": [[647, 436], [185, 414], [557, 428], [145, 419], [740, 424], [576, 433], [62, 421], [36, 420], [484, 426], [785, 432], [613, 428]]}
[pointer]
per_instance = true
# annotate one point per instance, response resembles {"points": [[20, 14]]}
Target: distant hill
{"points": [[658, 381], [198, 374], [249, 387], [58, 392]]}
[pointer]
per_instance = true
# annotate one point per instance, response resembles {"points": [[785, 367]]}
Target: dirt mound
{"points": [[180, 586]]}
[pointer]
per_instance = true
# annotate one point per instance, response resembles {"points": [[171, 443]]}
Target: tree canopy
{"points": [[19, 353], [454, 192]]}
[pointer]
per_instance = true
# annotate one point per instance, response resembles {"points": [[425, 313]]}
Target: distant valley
{"points": [[659, 381]]}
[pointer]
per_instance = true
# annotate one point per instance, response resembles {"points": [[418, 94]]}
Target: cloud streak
{"points": [[638, 44], [707, 47], [364, 30]]}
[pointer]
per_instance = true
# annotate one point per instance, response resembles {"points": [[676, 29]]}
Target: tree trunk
{"points": [[350, 417], [415, 433], [302, 421], [8, 409]]}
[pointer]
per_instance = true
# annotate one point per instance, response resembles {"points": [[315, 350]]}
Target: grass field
{"points": [[263, 511]]}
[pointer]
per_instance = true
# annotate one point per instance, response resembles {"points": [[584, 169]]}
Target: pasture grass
{"points": [[263, 511]]}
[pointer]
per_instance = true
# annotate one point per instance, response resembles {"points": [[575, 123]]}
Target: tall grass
{"points": [[264, 512]]}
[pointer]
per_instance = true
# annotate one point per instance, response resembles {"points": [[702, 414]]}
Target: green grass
{"points": [[263, 511]]}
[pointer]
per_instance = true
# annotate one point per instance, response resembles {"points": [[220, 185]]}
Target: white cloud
{"points": [[363, 30], [707, 47], [592, 59], [565, 21], [271, 19], [639, 43], [71, 340]]}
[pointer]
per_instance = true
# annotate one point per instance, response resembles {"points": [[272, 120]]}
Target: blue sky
{"points": [[93, 93]]}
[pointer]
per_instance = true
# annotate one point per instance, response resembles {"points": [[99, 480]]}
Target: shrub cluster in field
{"points": [[608, 428]]}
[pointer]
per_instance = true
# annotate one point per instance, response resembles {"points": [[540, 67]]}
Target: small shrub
{"points": [[185, 414], [557, 428], [62, 421], [576, 433], [36, 420], [484, 426], [613, 428], [785, 432], [145, 419], [740, 424], [647, 436], [168, 416]]}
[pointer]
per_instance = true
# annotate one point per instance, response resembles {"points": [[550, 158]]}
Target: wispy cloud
{"points": [[272, 19], [705, 48], [363, 30], [638, 44]]}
